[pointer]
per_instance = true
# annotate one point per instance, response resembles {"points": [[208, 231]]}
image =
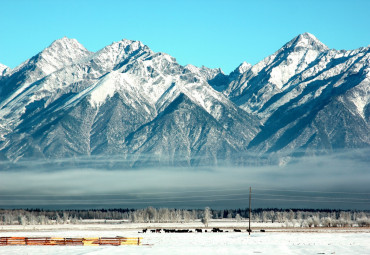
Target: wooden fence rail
{"points": [[90, 241]]}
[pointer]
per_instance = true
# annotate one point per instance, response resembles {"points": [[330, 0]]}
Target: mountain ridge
{"points": [[68, 102]]}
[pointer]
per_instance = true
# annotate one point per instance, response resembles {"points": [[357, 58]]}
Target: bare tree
{"points": [[150, 214], [65, 217], [186, 216], [22, 219], [206, 216]]}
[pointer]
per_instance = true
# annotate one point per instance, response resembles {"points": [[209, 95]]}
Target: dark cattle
{"points": [[262, 230], [158, 230], [182, 231], [198, 230], [153, 230], [217, 230], [237, 230], [144, 230]]}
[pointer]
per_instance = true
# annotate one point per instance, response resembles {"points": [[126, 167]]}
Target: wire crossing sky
{"points": [[218, 196], [213, 33]]}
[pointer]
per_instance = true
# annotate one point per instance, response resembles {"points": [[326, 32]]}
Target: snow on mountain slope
{"points": [[324, 107], [333, 66], [69, 112], [153, 74], [59, 54], [304, 57], [3, 69], [142, 106], [203, 71], [183, 134], [242, 68], [72, 77], [253, 88], [303, 84], [112, 55]]}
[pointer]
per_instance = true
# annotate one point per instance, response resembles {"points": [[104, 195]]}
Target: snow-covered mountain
{"points": [[256, 85], [307, 96], [93, 105], [59, 54], [130, 102]]}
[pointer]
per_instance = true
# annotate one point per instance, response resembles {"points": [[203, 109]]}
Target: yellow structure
{"points": [[89, 241]]}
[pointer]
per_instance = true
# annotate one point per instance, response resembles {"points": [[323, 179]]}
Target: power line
{"points": [[208, 196], [202, 196], [187, 191], [187, 201], [131, 193], [154, 198]]}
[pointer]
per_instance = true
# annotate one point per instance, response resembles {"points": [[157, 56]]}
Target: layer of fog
{"points": [[340, 181]]}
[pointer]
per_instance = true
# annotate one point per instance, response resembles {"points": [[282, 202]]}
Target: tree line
{"points": [[289, 217]]}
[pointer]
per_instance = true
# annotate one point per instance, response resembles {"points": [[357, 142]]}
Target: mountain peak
{"points": [[243, 67], [3, 69], [128, 42], [128, 45], [61, 52], [306, 41], [206, 72], [111, 55], [65, 44], [122, 48]]}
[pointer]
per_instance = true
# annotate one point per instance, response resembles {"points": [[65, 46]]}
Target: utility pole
{"points": [[250, 210]]}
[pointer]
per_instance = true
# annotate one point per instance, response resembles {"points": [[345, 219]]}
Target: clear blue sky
{"points": [[213, 33]]}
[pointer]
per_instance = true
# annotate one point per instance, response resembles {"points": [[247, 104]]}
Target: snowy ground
{"points": [[273, 241]]}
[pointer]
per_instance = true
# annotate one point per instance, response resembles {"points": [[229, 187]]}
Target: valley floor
{"points": [[276, 239]]}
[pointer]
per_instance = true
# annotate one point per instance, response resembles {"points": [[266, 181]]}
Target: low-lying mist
{"points": [[336, 181]]}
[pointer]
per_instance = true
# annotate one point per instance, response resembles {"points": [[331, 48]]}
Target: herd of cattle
{"points": [[197, 230]]}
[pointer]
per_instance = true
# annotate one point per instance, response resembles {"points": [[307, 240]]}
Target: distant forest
{"points": [[291, 217]]}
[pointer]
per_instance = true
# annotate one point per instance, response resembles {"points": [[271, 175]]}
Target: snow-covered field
{"points": [[273, 241]]}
